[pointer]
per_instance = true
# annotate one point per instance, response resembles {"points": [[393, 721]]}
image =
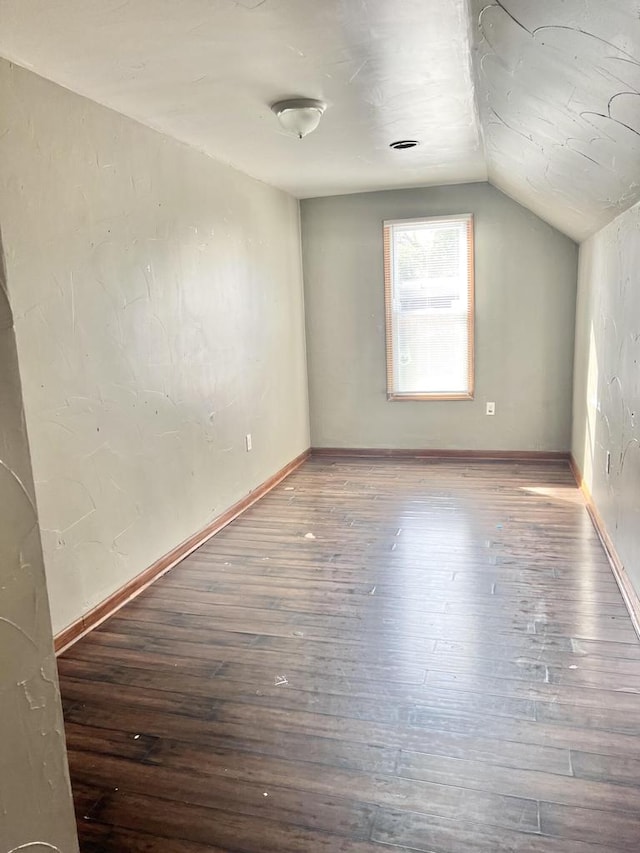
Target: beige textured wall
{"points": [[606, 401], [35, 796], [525, 302], [159, 318]]}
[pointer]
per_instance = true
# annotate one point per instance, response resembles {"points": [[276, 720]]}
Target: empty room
{"points": [[319, 426]]}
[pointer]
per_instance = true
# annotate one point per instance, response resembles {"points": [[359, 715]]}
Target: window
{"points": [[428, 283]]}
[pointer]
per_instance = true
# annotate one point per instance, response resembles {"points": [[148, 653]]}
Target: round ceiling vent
{"points": [[402, 144]]}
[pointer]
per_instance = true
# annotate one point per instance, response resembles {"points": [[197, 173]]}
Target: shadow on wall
{"points": [[34, 783]]}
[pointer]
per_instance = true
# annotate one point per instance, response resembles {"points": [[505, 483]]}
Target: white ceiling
{"points": [[558, 85], [556, 98], [206, 71]]}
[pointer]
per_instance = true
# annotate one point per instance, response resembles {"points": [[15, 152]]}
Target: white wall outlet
{"points": [[491, 408], [248, 442]]}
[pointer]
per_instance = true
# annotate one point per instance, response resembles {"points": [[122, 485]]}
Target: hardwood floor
{"points": [[403, 655]]}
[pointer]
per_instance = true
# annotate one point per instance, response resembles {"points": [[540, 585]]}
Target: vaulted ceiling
{"points": [[542, 98], [558, 84]]}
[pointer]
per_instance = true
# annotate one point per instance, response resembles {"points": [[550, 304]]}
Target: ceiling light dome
{"points": [[299, 116]]}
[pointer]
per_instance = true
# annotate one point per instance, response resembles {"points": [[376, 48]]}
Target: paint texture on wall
{"points": [[525, 284], [158, 306], [607, 381], [35, 794]]}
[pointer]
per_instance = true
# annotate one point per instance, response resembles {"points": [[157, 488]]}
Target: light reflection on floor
{"points": [[567, 494]]}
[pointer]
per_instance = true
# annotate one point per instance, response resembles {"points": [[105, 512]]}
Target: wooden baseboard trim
{"points": [[577, 475], [629, 594], [477, 455], [134, 587]]}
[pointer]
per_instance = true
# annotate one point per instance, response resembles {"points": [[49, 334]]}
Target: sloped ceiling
{"points": [[558, 85], [540, 96]]}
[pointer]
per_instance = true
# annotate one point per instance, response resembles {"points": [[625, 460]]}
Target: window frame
{"points": [[387, 248]]}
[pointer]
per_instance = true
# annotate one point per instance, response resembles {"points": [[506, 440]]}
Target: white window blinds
{"points": [[428, 271]]}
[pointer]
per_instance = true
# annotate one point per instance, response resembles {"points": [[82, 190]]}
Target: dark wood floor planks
{"points": [[404, 655]]}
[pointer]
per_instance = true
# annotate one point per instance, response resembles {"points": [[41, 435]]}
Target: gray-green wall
{"points": [[159, 316], [607, 381], [35, 795], [525, 302]]}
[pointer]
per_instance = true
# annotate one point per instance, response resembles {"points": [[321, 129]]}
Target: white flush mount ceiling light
{"points": [[299, 116]]}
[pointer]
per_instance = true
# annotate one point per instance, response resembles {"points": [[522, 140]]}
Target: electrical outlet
{"points": [[491, 408], [248, 442]]}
